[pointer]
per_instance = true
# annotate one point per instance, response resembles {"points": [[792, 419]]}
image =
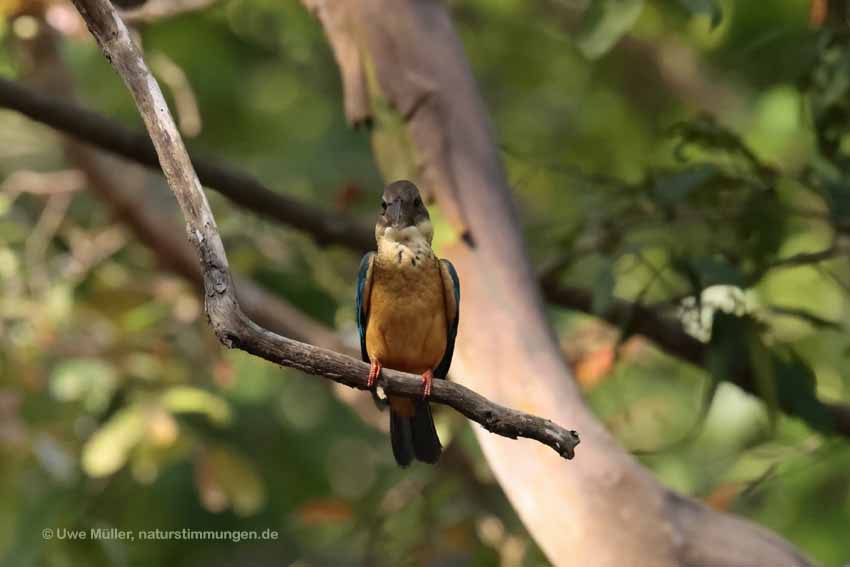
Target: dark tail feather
{"points": [[415, 436], [426, 444], [401, 436]]}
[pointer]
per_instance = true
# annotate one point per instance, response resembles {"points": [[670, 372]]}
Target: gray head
{"points": [[403, 213]]}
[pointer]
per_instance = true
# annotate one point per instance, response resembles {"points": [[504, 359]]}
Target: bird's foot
{"points": [[427, 378], [374, 372]]}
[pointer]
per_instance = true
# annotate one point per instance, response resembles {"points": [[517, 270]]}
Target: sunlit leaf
{"points": [[5, 204], [187, 399], [89, 380], [9, 263], [108, 449], [162, 429], [144, 316], [605, 23]]}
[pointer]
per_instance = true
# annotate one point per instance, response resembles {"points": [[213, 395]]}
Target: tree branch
{"points": [[670, 337], [94, 128], [230, 324], [326, 227], [155, 10]]}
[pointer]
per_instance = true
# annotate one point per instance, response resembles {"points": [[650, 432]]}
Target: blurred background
{"points": [[681, 168]]}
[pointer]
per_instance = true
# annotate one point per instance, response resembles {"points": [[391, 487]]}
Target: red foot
{"points": [[374, 372], [426, 383]]}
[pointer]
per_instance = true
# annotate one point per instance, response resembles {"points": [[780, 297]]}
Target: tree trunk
{"points": [[603, 508]]}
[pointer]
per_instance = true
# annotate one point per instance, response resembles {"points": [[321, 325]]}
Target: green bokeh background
{"points": [[119, 409]]}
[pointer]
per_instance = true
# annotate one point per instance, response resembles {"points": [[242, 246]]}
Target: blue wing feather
{"points": [[442, 368], [362, 314]]}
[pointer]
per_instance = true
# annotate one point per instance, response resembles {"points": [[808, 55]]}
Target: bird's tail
{"points": [[414, 436]]}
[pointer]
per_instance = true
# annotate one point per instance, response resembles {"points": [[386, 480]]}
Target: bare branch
{"points": [[326, 227], [155, 10], [272, 312], [228, 321]]}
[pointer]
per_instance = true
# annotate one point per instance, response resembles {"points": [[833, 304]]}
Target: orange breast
{"points": [[407, 319]]}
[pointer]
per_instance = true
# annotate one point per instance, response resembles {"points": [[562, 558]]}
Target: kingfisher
{"points": [[407, 315]]}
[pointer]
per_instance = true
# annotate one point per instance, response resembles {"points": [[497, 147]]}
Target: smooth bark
{"points": [[604, 509]]}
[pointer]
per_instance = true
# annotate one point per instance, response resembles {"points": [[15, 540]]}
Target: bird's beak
{"points": [[394, 213]]}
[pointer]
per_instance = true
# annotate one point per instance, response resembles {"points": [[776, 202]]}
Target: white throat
{"points": [[410, 245]]}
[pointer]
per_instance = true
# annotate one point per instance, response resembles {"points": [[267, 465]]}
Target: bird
{"points": [[408, 310]]}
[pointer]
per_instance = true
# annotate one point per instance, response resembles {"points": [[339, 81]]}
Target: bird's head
{"points": [[403, 216]]}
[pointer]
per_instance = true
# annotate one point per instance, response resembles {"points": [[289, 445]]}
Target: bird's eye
{"points": [[384, 205], [417, 202]]}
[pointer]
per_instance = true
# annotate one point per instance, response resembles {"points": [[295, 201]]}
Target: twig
{"points": [[39, 183], [326, 227], [834, 250], [155, 10], [51, 218], [230, 324], [185, 102], [806, 258], [807, 316]]}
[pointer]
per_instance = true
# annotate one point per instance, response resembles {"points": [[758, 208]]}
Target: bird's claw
{"points": [[427, 378], [374, 372]]}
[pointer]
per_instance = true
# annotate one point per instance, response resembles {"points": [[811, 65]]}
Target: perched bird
{"points": [[407, 314]]}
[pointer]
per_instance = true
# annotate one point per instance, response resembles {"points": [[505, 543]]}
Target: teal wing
{"points": [[364, 288], [451, 290]]}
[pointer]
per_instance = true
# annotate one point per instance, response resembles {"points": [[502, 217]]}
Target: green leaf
{"points": [[605, 23], [782, 379], [89, 380], [710, 8], [186, 399], [837, 196], [676, 187], [706, 271], [764, 374], [108, 449], [727, 353], [797, 391], [603, 289]]}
